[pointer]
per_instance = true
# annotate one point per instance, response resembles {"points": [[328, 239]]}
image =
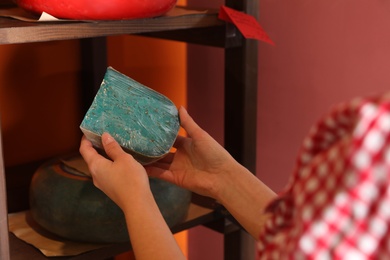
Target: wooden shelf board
{"points": [[20, 250], [15, 31]]}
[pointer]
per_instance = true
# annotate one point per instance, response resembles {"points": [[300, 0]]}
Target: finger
{"points": [[160, 173], [159, 165], [167, 158], [92, 158], [164, 163], [188, 123], [86, 150], [111, 147]]}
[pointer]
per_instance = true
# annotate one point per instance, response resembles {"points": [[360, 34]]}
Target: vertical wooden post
{"points": [[241, 70], [94, 65], [4, 235]]}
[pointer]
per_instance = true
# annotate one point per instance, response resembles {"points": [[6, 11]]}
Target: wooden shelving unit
{"points": [[16, 31], [240, 104]]}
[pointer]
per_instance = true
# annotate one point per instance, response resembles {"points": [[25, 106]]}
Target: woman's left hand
{"points": [[120, 178]]}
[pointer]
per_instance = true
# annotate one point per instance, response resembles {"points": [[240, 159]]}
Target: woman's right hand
{"points": [[203, 166], [199, 162]]}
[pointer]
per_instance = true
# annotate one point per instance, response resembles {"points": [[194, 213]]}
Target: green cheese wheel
{"points": [[69, 205]]}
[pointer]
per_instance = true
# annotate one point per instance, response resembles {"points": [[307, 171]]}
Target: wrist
{"points": [[136, 199], [229, 182]]}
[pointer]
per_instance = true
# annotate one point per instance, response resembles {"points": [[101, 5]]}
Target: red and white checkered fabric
{"points": [[337, 204]]}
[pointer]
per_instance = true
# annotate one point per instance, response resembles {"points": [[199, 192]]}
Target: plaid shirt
{"points": [[337, 204]]}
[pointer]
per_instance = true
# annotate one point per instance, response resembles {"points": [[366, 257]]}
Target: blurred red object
{"points": [[97, 9]]}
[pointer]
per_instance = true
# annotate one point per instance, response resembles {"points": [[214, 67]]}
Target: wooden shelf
{"points": [[15, 31], [202, 210], [197, 215], [203, 26], [196, 27]]}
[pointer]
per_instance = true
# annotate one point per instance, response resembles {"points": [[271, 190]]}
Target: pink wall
{"points": [[326, 52]]}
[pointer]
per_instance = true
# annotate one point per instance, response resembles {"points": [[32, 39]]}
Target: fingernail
{"points": [[107, 138]]}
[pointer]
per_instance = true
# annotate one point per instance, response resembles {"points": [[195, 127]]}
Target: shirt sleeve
{"points": [[337, 203]]}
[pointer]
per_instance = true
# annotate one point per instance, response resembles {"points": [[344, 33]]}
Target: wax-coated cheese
{"points": [[144, 122], [64, 201]]}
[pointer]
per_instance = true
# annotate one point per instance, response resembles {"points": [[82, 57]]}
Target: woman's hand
{"points": [[202, 165], [199, 162], [125, 181], [119, 177]]}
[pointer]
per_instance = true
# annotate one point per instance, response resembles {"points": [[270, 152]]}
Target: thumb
{"points": [[188, 123], [111, 147]]}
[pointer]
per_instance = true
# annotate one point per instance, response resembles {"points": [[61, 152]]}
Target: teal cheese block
{"points": [[66, 203], [144, 122]]}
